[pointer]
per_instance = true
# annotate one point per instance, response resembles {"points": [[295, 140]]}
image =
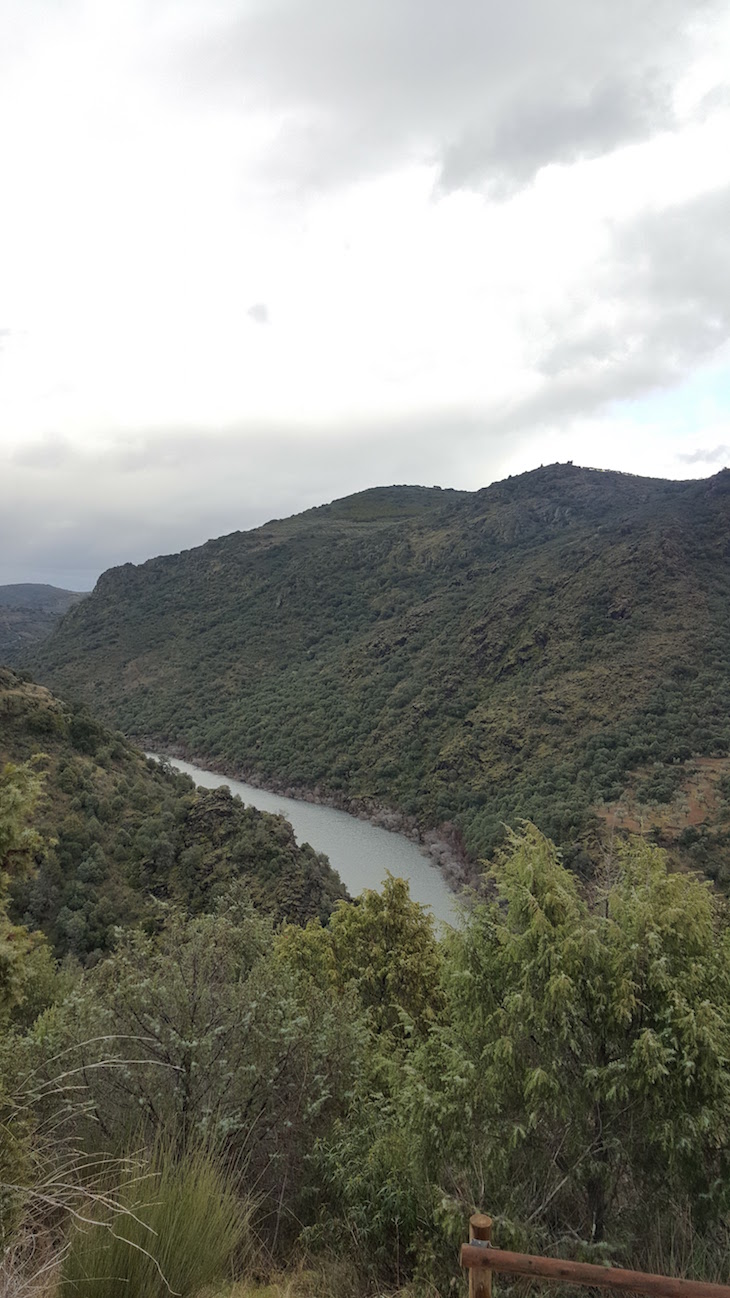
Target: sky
{"points": [[259, 254]]}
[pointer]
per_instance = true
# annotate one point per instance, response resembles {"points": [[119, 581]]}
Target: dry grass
{"points": [[30, 1267]]}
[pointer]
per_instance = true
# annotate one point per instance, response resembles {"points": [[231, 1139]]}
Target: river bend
{"points": [[361, 853]]}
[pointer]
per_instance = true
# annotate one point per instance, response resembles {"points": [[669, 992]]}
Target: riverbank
{"points": [[444, 846]]}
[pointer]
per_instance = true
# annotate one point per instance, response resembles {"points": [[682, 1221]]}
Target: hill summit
{"points": [[554, 646]]}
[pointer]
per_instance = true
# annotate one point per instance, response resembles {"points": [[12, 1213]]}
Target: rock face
{"points": [[461, 659]]}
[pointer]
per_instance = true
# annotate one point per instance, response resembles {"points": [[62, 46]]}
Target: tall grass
{"points": [[180, 1228], [676, 1247]]}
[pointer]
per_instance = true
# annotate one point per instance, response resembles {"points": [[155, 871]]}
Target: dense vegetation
{"points": [[28, 613], [339, 1097], [126, 836], [547, 647], [231, 1052]]}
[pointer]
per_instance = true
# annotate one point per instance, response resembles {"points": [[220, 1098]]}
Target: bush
{"points": [[179, 1227]]}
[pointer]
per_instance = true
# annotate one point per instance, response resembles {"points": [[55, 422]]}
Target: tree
{"points": [[382, 952], [20, 789], [580, 1071], [384, 947], [198, 1032], [23, 963]]}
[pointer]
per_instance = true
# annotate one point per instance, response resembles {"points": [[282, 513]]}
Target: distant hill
{"points": [[555, 646], [126, 834], [28, 613], [48, 599]]}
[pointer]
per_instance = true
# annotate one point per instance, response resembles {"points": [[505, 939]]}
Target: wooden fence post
{"points": [[482, 1260], [480, 1279]]}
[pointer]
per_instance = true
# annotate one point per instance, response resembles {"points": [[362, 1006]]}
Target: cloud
{"points": [[658, 306], [489, 93], [46, 453], [259, 313], [131, 494], [159, 492], [585, 122], [718, 455], [423, 331]]}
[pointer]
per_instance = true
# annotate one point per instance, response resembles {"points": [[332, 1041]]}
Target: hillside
{"points": [[125, 834], [28, 613], [554, 646]]}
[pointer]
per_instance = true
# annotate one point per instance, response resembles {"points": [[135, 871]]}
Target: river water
{"points": [[361, 853]]}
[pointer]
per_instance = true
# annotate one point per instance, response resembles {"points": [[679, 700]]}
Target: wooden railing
{"points": [[482, 1259]]}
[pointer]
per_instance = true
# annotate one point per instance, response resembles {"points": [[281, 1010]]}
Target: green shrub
{"points": [[179, 1227]]}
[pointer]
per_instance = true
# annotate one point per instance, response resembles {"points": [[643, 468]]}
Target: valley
{"points": [[327, 1071], [465, 659], [364, 649]]}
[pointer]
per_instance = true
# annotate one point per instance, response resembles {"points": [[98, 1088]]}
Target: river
{"points": [[361, 853]]}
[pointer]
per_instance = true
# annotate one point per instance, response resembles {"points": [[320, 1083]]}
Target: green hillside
{"points": [[554, 646], [124, 835], [28, 613]]}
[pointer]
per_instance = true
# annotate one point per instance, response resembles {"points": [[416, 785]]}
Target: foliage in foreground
{"points": [[180, 1227], [559, 1060], [576, 1071]]}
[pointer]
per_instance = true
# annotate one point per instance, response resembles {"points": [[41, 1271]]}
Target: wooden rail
{"points": [[481, 1259]]}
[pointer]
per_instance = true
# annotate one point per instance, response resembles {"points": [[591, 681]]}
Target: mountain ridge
{"points": [[515, 651]]}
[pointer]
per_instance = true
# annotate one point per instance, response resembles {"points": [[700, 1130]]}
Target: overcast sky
{"points": [[257, 254]]}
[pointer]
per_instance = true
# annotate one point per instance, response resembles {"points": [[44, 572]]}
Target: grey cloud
{"points": [[667, 307], [560, 402], [259, 313], [583, 123], [670, 275], [574, 351], [189, 485], [718, 455], [488, 92], [47, 453]]}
